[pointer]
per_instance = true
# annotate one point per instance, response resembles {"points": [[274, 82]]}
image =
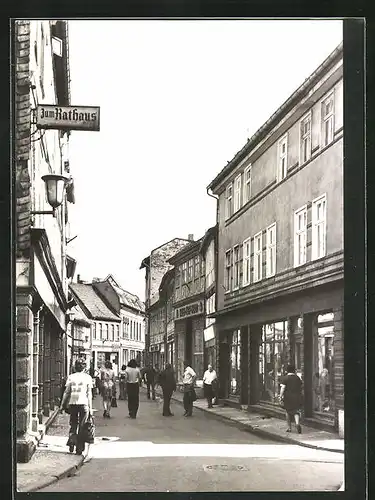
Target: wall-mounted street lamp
{"points": [[55, 185]]}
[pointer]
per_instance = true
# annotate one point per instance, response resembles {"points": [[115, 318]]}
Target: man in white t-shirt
{"points": [[209, 378], [189, 394]]}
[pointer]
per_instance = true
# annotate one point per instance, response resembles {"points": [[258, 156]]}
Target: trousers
{"points": [[133, 398], [167, 394], [188, 402], [78, 416], [150, 385]]}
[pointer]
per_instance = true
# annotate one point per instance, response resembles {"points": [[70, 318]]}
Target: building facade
{"points": [[166, 294], [79, 330], [129, 340], [280, 255], [189, 308], [105, 324], [156, 265], [208, 250], [41, 76]]}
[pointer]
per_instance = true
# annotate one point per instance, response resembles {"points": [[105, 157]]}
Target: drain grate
{"points": [[225, 467]]}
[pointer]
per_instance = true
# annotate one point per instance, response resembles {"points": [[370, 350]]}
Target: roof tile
{"points": [[93, 303]]}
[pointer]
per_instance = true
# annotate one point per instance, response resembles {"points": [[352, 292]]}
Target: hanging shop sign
{"points": [[189, 310], [49, 116]]}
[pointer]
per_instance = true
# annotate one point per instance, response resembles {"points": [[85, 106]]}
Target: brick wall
{"points": [[22, 136]]}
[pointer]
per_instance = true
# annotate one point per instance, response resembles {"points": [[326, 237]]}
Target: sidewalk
{"points": [[269, 427], [50, 461]]}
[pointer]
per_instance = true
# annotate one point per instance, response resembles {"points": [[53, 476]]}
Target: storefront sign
{"points": [[155, 347], [189, 310], [49, 116]]}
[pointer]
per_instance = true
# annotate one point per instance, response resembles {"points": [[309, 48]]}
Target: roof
{"points": [[179, 256], [80, 317], [209, 235], [168, 276], [278, 115], [91, 303], [146, 261], [128, 299]]}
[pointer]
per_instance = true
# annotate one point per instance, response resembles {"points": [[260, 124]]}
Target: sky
{"points": [[178, 99]]}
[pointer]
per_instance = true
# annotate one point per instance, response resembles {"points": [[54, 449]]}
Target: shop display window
{"points": [[273, 359], [235, 364], [323, 373]]}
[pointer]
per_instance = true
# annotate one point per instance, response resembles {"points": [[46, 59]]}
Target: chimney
{"points": [[191, 237]]}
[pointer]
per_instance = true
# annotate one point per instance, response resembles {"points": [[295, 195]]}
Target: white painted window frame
{"points": [[281, 156], [227, 278], [246, 259], [315, 224], [246, 183], [257, 269], [228, 201], [297, 232], [307, 116], [271, 250], [236, 268], [329, 95], [237, 193]]}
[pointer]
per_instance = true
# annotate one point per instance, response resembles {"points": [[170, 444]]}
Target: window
{"points": [[117, 333], [300, 229], [236, 273], [106, 334], [327, 119], [283, 158], [125, 354], [271, 251], [178, 282], [113, 332], [131, 329], [257, 257], [94, 331], [190, 270], [305, 153], [184, 272], [42, 62], [246, 262], [237, 193], [228, 271], [228, 201], [100, 331], [319, 227], [196, 266], [247, 184]]}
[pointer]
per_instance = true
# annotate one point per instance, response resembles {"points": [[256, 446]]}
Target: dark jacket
{"points": [[167, 380], [150, 375]]}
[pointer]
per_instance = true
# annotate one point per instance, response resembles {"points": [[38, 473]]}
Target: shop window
{"points": [[273, 359], [235, 364], [323, 373]]}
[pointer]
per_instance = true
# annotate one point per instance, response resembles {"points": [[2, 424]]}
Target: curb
{"points": [[262, 432], [54, 479]]}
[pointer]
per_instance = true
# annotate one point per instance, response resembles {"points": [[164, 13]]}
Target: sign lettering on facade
{"points": [[190, 310], [49, 116]]}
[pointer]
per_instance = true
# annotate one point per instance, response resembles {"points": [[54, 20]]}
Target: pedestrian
{"points": [[208, 379], [291, 397], [77, 400], [133, 381], [167, 382], [189, 393], [122, 382], [108, 388], [149, 377]]}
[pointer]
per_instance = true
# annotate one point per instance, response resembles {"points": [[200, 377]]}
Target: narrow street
{"points": [[155, 453]]}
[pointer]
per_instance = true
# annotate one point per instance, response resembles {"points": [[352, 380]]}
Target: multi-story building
{"points": [[129, 342], [41, 76], [189, 308], [79, 329], [156, 265], [166, 294], [105, 324], [208, 250], [280, 254]]}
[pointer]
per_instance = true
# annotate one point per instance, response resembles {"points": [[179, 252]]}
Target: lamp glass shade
{"points": [[55, 185]]}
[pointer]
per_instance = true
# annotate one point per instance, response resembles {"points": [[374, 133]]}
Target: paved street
{"points": [[155, 453]]}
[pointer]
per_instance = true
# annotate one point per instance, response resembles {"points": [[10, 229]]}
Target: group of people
{"points": [[78, 393]]}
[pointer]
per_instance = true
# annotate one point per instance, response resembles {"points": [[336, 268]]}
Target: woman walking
{"points": [[122, 382], [167, 382], [77, 401], [291, 397], [133, 381], [108, 388]]}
